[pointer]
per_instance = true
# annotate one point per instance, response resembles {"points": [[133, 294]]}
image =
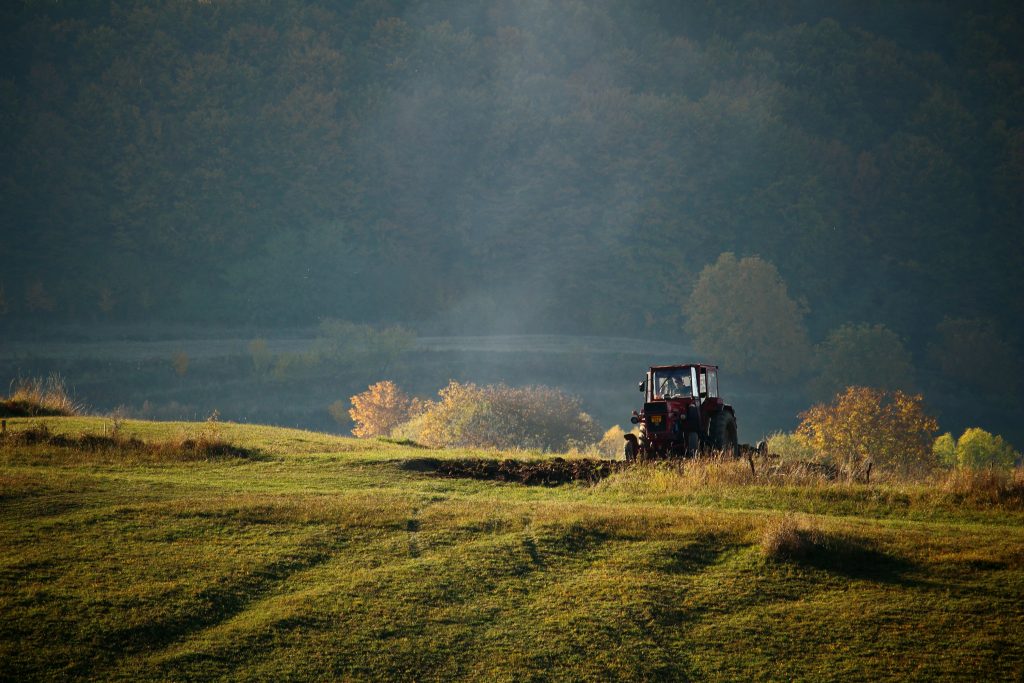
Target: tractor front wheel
{"points": [[631, 449], [724, 434]]}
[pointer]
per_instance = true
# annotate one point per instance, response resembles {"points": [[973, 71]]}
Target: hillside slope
{"points": [[317, 556]]}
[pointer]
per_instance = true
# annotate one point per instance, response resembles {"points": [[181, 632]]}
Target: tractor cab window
{"points": [[702, 382], [674, 383], [712, 383]]}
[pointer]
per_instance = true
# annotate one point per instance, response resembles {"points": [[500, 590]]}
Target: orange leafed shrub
{"points": [[379, 409], [864, 425]]}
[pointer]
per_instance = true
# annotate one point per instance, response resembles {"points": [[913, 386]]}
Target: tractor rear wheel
{"points": [[724, 434], [692, 443]]}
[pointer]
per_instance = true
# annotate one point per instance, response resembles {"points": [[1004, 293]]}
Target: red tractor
{"points": [[682, 414]]}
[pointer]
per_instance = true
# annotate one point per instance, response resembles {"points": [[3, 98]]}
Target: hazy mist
{"points": [[529, 190]]}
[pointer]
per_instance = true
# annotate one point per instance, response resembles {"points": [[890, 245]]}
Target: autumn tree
{"points": [[379, 409], [862, 425], [741, 315]]}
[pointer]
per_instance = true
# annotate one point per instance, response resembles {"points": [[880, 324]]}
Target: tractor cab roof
{"points": [[683, 365]]}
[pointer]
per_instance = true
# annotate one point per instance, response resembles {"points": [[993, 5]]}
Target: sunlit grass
{"points": [[327, 559]]}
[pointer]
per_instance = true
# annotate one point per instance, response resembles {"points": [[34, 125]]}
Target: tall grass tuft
{"points": [[785, 538], [988, 486], [36, 396], [716, 473]]}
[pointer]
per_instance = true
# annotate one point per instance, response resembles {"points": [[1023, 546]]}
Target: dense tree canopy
{"points": [[528, 164]]}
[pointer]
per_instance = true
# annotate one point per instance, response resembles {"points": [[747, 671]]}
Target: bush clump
{"points": [[786, 539], [499, 416], [467, 415], [36, 397], [378, 410], [792, 448], [975, 449], [987, 486], [864, 426], [612, 442]]}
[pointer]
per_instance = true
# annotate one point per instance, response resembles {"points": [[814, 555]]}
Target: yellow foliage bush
{"points": [[862, 425], [611, 444], [379, 409], [499, 416], [791, 447]]}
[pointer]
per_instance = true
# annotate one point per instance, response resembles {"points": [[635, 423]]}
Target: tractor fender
{"points": [[630, 437]]}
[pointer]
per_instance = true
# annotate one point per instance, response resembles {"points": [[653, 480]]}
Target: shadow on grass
{"points": [[856, 560], [402, 442], [850, 557], [695, 557], [214, 604]]}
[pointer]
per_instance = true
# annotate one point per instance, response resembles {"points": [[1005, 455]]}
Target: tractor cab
{"points": [[666, 382], [682, 413]]}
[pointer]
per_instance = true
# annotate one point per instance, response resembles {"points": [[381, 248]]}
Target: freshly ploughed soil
{"points": [[558, 471], [551, 472]]}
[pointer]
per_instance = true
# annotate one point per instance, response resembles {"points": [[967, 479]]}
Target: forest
{"points": [[853, 172]]}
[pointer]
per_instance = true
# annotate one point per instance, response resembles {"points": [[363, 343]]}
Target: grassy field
{"points": [[314, 556]]}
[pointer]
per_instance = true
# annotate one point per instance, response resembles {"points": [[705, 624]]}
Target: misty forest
{"points": [[260, 207], [322, 325]]}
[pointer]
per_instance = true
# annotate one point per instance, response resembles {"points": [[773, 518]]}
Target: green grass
{"points": [[324, 558]]}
